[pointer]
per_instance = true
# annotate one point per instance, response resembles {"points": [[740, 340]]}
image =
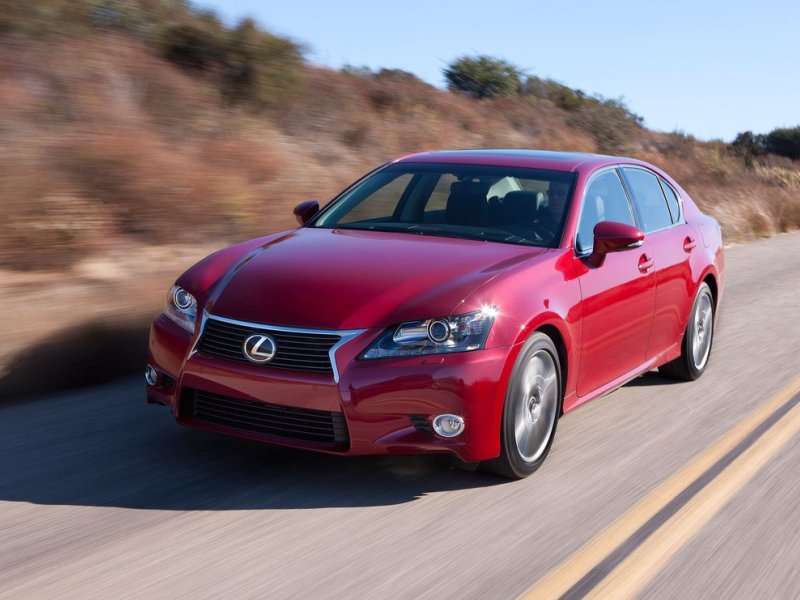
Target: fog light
{"points": [[150, 375], [448, 425]]}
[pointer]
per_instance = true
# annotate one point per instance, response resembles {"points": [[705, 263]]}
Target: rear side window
{"points": [[649, 199], [672, 201], [605, 200]]}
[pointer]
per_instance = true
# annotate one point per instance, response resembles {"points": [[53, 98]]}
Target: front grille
{"points": [[296, 350], [259, 417]]}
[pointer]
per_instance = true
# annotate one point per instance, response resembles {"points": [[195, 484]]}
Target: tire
{"points": [[533, 399], [697, 340]]}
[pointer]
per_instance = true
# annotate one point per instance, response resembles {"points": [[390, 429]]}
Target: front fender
{"points": [[544, 296]]}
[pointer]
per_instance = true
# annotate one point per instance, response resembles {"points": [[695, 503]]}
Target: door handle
{"points": [[689, 243], [645, 263]]}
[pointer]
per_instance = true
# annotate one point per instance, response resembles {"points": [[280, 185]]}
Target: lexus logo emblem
{"points": [[259, 348]]}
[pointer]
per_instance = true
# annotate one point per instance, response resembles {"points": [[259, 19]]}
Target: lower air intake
{"points": [[302, 424]]}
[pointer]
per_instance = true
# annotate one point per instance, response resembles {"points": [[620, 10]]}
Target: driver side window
{"points": [[604, 200]]}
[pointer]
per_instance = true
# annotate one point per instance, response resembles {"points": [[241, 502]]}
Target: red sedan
{"points": [[453, 302]]}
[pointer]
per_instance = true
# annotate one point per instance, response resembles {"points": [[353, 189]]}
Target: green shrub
{"points": [[191, 47], [784, 141], [260, 67], [44, 17], [357, 71], [483, 77], [142, 18], [397, 75], [252, 65], [559, 94], [609, 122], [365, 72], [749, 145]]}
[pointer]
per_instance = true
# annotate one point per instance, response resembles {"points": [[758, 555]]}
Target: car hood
{"points": [[347, 279]]}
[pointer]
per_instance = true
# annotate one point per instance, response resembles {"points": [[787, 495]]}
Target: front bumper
{"points": [[387, 404]]}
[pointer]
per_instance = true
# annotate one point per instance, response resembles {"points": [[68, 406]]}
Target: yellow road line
{"points": [[571, 570], [649, 558]]}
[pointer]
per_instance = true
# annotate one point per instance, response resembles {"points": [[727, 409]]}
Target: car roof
{"points": [[516, 157]]}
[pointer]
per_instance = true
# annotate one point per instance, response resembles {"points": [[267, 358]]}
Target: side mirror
{"points": [[305, 210], [610, 236]]}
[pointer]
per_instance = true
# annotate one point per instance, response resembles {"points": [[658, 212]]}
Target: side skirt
{"points": [[617, 383]]}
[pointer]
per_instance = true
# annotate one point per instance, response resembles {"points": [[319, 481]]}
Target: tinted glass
{"points": [[438, 198], [672, 201], [380, 203], [649, 199], [499, 204], [605, 200]]}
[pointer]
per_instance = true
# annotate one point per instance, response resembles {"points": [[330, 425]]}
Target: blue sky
{"points": [[708, 67]]}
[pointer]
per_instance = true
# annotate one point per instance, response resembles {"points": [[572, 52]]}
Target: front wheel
{"points": [[531, 410], [697, 340]]}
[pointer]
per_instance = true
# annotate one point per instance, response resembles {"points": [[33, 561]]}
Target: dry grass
{"points": [[101, 141], [109, 156]]}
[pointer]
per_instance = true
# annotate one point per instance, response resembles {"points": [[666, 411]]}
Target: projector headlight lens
{"points": [[439, 331], [182, 308], [460, 333]]}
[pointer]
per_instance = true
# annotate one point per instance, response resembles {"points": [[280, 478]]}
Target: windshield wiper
{"points": [[390, 227], [484, 234], [442, 231], [504, 236]]}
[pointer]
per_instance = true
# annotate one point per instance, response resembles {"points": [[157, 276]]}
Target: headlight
{"points": [[460, 333], [182, 308]]}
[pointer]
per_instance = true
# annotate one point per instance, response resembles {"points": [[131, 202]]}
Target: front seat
{"points": [[466, 204], [520, 208]]}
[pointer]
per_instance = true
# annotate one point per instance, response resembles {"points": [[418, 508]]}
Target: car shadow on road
{"points": [[105, 447], [652, 378]]}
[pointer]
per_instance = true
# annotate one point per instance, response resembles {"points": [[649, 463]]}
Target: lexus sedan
{"points": [[455, 301]]}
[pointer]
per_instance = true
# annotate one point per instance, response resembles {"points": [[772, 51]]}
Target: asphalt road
{"points": [[102, 496]]}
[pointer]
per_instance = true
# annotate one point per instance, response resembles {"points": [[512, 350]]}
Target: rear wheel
{"points": [[697, 340], [531, 410]]}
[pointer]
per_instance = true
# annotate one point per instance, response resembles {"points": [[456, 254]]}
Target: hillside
{"points": [[137, 135], [109, 137]]}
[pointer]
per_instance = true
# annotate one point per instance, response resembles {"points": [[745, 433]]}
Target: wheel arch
{"points": [[563, 337], [555, 334], [710, 279]]}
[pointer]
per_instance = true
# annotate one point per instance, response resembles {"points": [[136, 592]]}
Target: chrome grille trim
{"points": [[345, 335]]}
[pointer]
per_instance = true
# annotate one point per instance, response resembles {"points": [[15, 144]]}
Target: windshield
{"points": [[499, 204]]}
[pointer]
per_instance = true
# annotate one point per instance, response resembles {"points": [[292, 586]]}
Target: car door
{"points": [[671, 242], [617, 296]]}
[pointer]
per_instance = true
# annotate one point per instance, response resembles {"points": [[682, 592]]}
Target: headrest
{"points": [[467, 204], [520, 208]]}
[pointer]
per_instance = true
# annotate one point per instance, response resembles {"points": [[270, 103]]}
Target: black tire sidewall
{"points": [[694, 372], [510, 455]]}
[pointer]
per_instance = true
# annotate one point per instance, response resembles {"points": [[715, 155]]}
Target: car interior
{"points": [[484, 203], [499, 207]]}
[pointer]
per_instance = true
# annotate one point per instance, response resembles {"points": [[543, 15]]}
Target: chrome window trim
{"points": [[345, 335], [589, 181], [681, 221]]}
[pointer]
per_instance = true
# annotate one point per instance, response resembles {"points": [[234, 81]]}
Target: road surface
{"points": [[102, 496]]}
